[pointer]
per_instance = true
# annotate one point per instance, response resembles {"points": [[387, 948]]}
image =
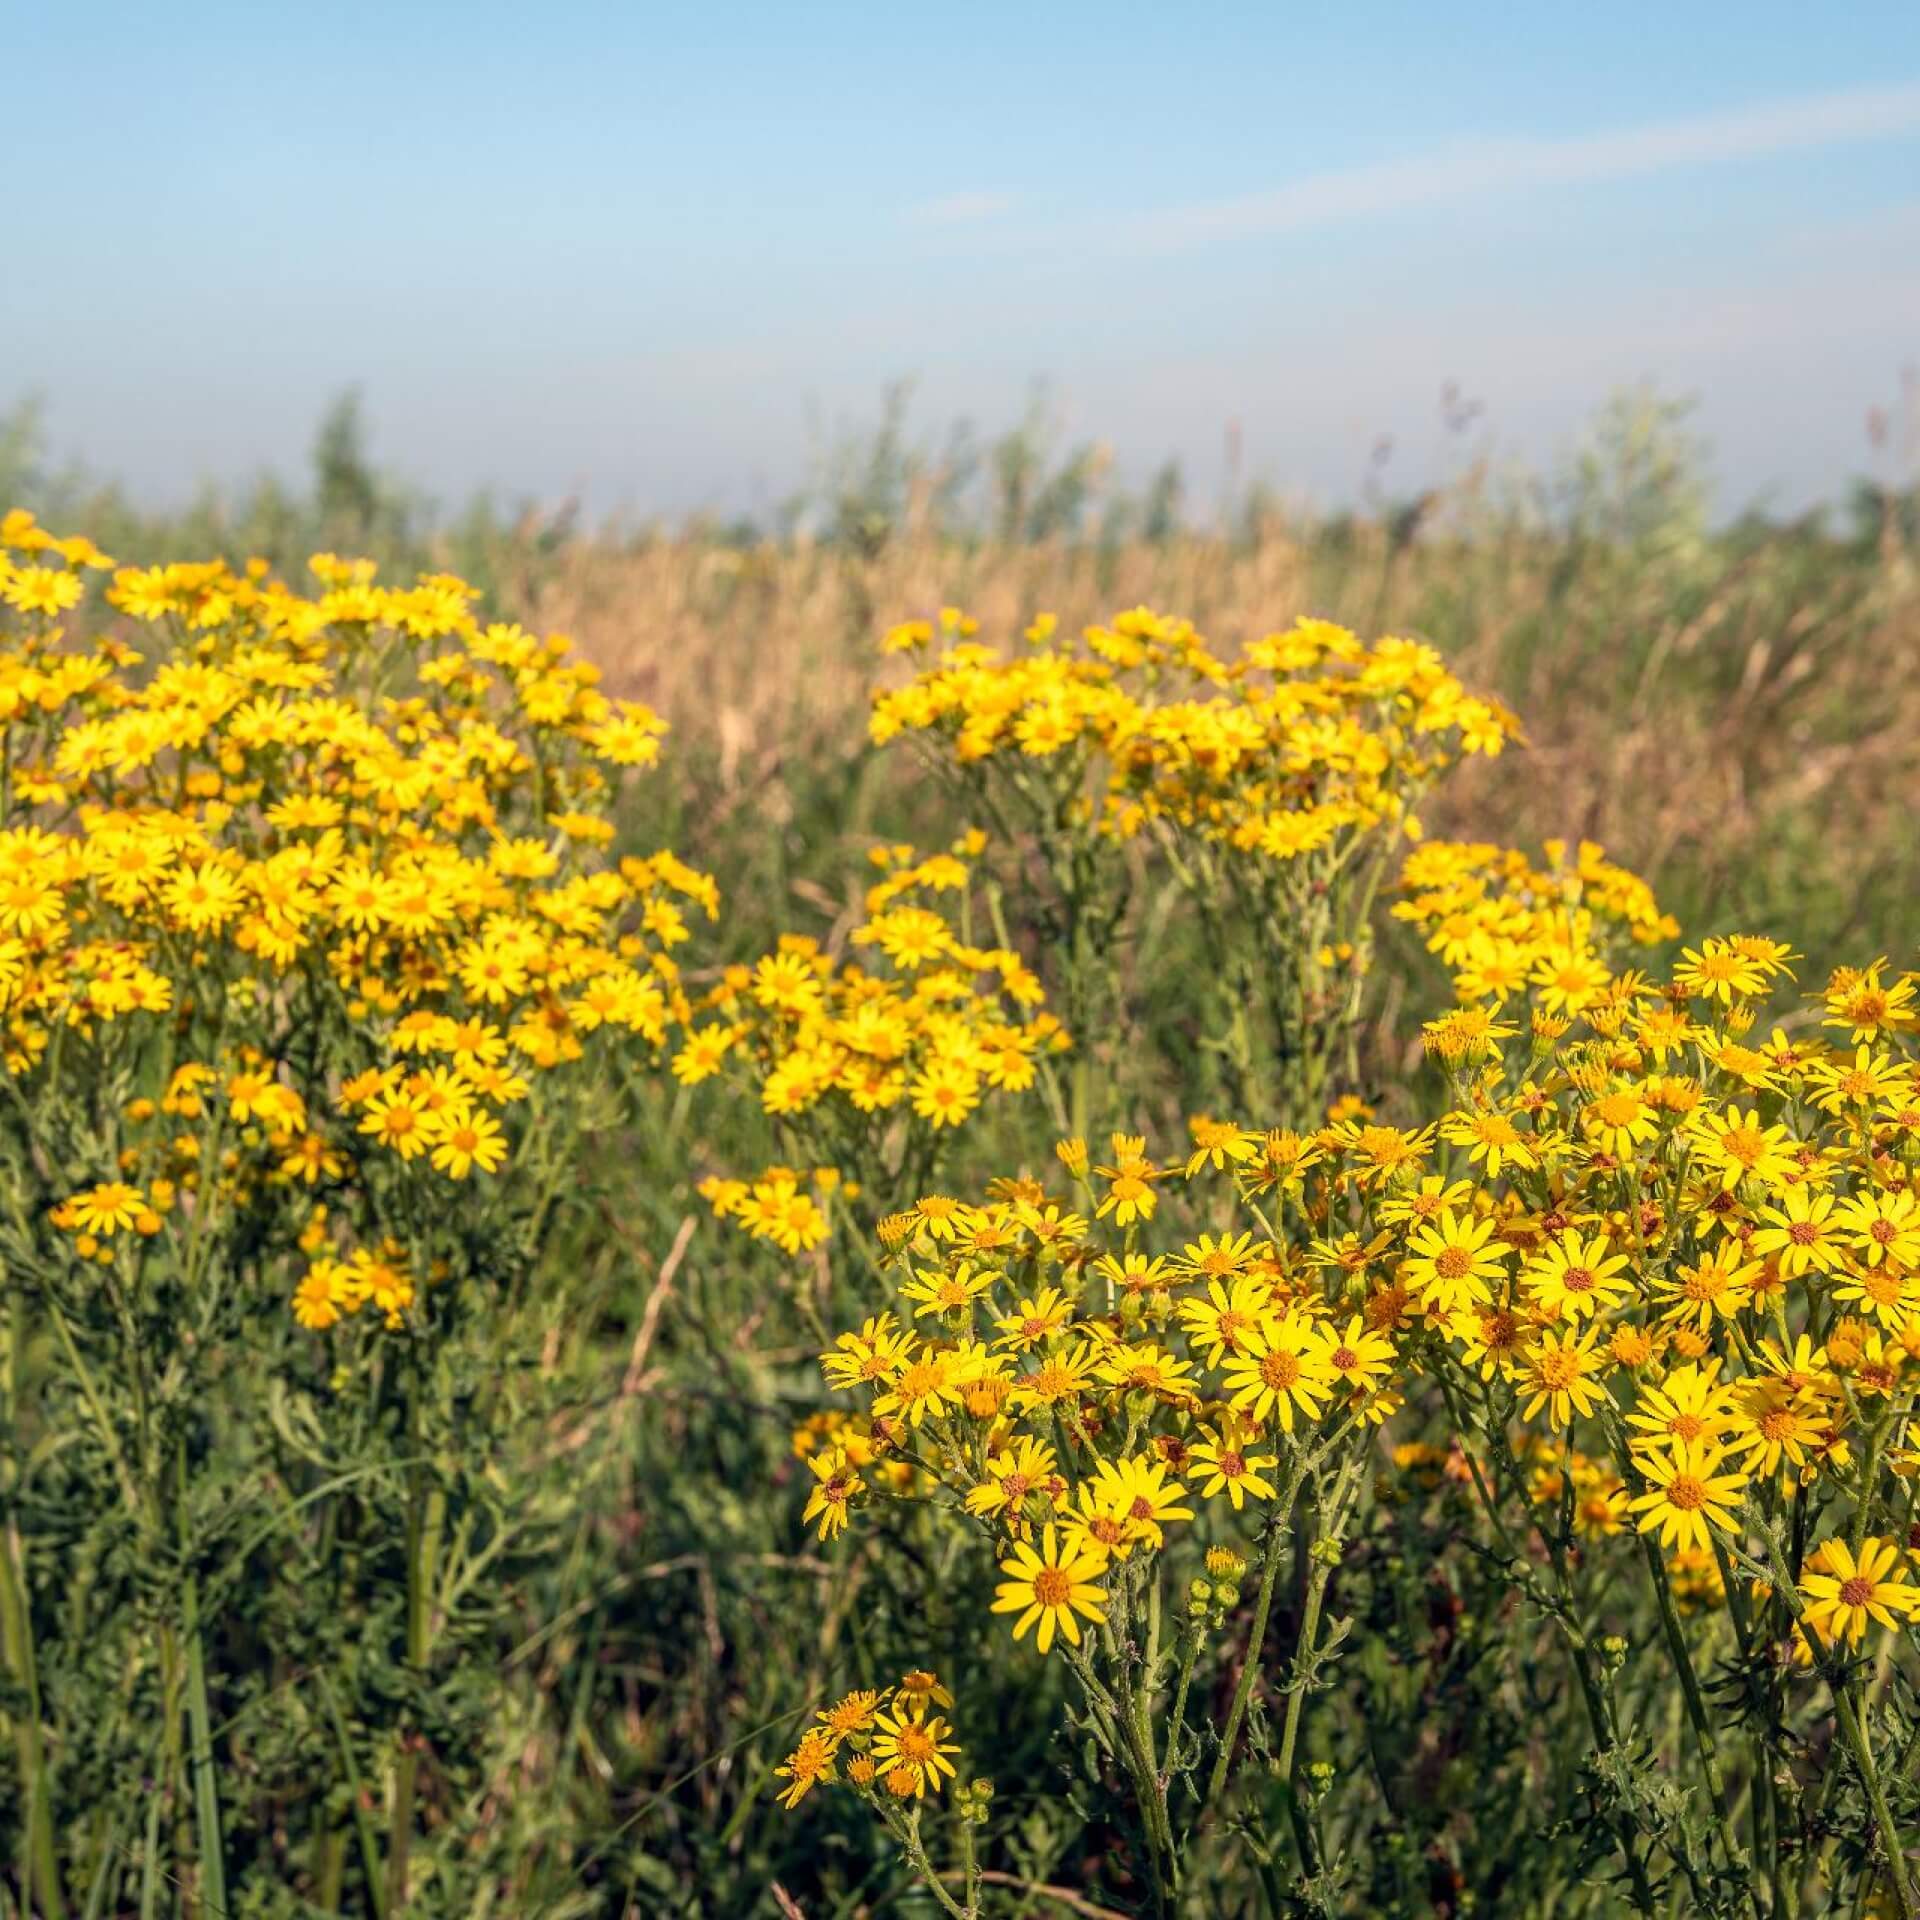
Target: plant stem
{"points": [[1737, 1858], [40, 1869], [1322, 1572], [1856, 1735], [206, 1797], [908, 1832], [426, 1517], [1278, 1534]]}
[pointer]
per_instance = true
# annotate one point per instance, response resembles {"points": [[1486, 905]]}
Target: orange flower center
{"points": [[1051, 1587], [1280, 1370], [1559, 1369]]}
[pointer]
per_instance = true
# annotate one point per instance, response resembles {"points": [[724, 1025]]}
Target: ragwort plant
{"points": [[317, 974], [1482, 1489], [1272, 784], [1566, 1429]]}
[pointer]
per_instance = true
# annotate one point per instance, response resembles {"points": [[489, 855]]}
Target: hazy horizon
{"points": [[654, 260]]}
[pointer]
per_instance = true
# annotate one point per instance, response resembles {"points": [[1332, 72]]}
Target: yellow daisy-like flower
{"points": [[911, 1750], [1882, 1226], [106, 1209], [805, 1767], [1228, 1465], [1035, 1319], [1736, 1146], [1229, 1318], [1800, 1234], [1691, 1488], [1025, 1468], [1690, 1405], [836, 1484], [1846, 1590], [1139, 1491], [1051, 1589], [1620, 1121], [1715, 1287], [1492, 1141], [1285, 1371], [853, 1713], [1572, 1280], [936, 1291], [1452, 1262], [1563, 1374], [1360, 1358]]}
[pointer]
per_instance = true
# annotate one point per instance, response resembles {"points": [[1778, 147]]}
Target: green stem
{"points": [[1317, 1579], [908, 1833], [1278, 1533], [1704, 1742], [206, 1796], [426, 1519], [1855, 1731], [40, 1869], [1852, 1727]]}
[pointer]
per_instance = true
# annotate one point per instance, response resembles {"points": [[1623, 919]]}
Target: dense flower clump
{"points": [[333, 865], [319, 970], [1644, 1286], [1540, 1325], [1299, 742]]}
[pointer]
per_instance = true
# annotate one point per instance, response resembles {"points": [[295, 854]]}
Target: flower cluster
{"points": [[1269, 786], [896, 1742], [881, 1057], [333, 865], [1656, 1281], [1295, 743]]}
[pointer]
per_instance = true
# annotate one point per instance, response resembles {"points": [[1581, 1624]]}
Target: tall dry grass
{"points": [[1738, 717]]}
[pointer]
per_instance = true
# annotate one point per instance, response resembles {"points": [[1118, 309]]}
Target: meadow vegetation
{"points": [[816, 1219]]}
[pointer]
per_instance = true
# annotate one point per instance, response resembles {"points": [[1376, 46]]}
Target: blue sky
{"points": [[651, 253]]}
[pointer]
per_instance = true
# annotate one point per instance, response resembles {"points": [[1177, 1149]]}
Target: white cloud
{"points": [[1474, 168], [959, 209]]}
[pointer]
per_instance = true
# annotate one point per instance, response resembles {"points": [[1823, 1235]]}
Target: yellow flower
{"points": [[1012, 1475], [1800, 1234], [1286, 1369], [912, 1751], [1736, 1146], [1452, 1262], [1139, 1491], [805, 1767], [1844, 1590], [464, 1139], [1130, 1195], [1227, 1465], [937, 1291], [1688, 1493], [1491, 1140], [1573, 1280], [1882, 1226], [836, 1483], [106, 1209], [1050, 1589], [1562, 1374]]}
